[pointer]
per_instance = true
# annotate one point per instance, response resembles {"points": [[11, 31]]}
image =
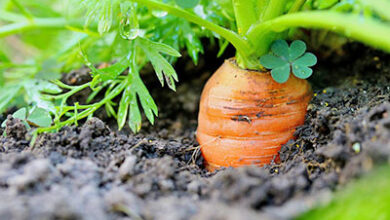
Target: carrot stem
{"points": [[245, 13], [382, 7], [369, 31], [297, 5], [37, 23], [10, 16], [261, 6], [272, 9]]}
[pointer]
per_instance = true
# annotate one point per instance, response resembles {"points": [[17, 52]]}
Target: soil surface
{"points": [[94, 172]]}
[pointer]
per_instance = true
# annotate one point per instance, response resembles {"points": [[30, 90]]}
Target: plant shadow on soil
{"points": [[94, 172]]}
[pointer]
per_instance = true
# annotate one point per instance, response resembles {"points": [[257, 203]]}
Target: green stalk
{"points": [[114, 93], [246, 15], [261, 6], [22, 9], [274, 9], [382, 7], [297, 5], [241, 45], [37, 23], [369, 31], [11, 17]]}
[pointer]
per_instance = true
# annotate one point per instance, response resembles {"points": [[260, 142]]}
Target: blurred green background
{"points": [[367, 198]]}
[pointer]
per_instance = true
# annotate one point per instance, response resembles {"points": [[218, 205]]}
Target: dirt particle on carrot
{"points": [[259, 114], [242, 118], [292, 102]]}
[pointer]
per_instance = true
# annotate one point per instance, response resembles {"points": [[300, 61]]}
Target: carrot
{"points": [[245, 116]]}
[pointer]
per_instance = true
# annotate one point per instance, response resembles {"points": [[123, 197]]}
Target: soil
{"points": [[94, 172]]}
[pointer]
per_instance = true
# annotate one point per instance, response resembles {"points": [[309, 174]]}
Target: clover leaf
{"points": [[38, 117], [285, 59]]}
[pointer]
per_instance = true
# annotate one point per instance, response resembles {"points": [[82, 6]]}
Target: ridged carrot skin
{"points": [[245, 116]]}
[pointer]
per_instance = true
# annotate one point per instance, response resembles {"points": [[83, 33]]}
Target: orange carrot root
{"points": [[245, 116]]}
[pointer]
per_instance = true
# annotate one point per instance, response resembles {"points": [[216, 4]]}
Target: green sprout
{"points": [[287, 59]]}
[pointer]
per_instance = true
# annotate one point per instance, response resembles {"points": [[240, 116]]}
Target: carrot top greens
{"points": [[42, 38]]}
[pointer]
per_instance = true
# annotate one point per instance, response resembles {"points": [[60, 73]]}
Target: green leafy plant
{"points": [[285, 60], [40, 39]]}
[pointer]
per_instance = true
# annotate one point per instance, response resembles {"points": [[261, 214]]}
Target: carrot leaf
{"points": [[162, 67]]}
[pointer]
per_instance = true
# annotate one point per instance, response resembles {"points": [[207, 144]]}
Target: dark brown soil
{"points": [[94, 172]]}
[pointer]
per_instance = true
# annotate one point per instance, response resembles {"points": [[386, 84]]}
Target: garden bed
{"points": [[94, 172]]}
